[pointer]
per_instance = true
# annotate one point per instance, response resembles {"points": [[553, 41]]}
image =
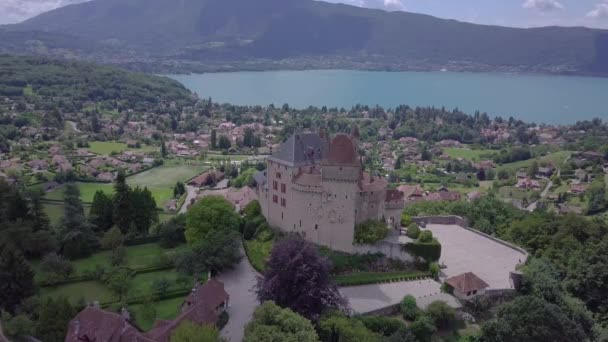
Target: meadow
{"points": [[473, 155], [106, 147], [166, 176], [558, 158], [87, 192]]}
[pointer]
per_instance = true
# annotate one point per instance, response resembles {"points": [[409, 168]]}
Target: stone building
{"points": [[316, 186]]}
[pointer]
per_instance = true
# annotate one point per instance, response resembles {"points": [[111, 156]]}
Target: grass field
{"points": [[88, 290], [141, 256], [106, 147], [469, 154], [87, 192], [557, 157], [166, 176], [165, 309]]}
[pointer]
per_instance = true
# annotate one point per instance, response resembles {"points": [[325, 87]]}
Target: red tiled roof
{"points": [[467, 282], [393, 195], [368, 184], [93, 324], [342, 151]]}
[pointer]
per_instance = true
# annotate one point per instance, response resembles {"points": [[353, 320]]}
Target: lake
{"points": [[532, 98]]}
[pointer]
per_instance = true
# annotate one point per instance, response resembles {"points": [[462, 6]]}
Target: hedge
{"points": [[430, 252], [365, 278], [91, 277]]}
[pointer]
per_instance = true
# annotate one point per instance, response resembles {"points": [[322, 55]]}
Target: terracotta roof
{"points": [[368, 184], [342, 151], [199, 307], [393, 195], [467, 282], [93, 324]]}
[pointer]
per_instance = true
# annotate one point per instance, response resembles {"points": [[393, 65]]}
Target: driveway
{"points": [[368, 298], [464, 251], [191, 194], [239, 284]]}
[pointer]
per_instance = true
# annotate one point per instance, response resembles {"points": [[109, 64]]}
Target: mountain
{"points": [[223, 31]]}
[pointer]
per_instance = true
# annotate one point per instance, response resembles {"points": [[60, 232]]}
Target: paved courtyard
{"points": [[367, 298], [239, 284], [465, 251]]}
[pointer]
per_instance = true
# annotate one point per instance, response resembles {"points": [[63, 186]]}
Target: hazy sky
{"points": [[522, 13]]}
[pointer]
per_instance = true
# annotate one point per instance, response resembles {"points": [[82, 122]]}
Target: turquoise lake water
{"points": [[532, 98]]}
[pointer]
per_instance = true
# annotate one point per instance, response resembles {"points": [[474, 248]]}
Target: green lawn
{"points": [[258, 252], [142, 283], [88, 290], [468, 153], [557, 157], [141, 256], [87, 192], [166, 176], [165, 309], [106, 147]]}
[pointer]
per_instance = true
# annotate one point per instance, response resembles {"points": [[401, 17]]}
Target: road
{"points": [[191, 194], [543, 194], [239, 284]]}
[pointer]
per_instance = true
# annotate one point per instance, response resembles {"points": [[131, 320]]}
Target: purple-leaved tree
{"points": [[297, 277]]}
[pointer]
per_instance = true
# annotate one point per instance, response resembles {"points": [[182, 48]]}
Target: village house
{"points": [[449, 143], [38, 165], [203, 306], [484, 165], [581, 175], [443, 195], [578, 189], [546, 171], [521, 174], [208, 178], [527, 183], [467, 286], [316, 186], [411, 193]]}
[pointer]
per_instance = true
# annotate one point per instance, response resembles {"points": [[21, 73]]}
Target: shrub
{"points": [[406, 220], [161, 286], [385, 326], [413, 231], [409, 308], [430, 252], [426, 236], [370, 232], [249, 229], [223, 320], [443, 314], [252, 209], [423, 328], [434, 270], [56, 266]]}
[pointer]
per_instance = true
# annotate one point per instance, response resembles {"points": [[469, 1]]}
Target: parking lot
{"points": [[467, 251]]}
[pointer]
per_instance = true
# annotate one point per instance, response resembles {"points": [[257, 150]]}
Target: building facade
{"points": [[316, 186]]}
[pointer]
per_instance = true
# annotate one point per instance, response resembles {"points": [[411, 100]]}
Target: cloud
{"points": [[394, 5], [14, 11], [543, 5], [599, 12], [389, 5]]}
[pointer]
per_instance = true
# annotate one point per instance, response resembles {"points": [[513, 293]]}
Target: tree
{"points": [[403, 335], [528, 318], [426, 236], [192, 332], [74, 218], [224, 142], [337, 327], [213, 139], [161, 286], [52, 324], [179, 189], [148, 309], [56, 266], [40, 220], [171, 233], [16, 278], [597, 198], [163, 149], [272, 323], [210, 213], [220, 250], [119, 282], [297, 277], [143, 209], [443, 314], [413, 231], [17, 327], [102, 210], [409, 308], [423, 328], [122, 203]]}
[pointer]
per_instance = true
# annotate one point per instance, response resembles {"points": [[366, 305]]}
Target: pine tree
{"points": [[122, 203], [101, 211], [163, 149], [40, 220], [73, 210], [213, 139], [54, 317], [16, 278]]}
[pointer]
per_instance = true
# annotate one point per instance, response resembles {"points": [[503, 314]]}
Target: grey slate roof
{"points": [[301, 149], [260, 178]]}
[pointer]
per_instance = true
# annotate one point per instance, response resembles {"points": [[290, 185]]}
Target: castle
{"points": [[316, 186]]}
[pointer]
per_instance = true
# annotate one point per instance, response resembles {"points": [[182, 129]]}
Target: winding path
{"points": [[239, 284]]}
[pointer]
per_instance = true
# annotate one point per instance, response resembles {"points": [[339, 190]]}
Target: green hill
{"points": [[244, 30]]}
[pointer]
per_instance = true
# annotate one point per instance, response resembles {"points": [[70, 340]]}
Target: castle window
{"points": [[300, 223], [275, 199], [278, 175], [283, 188], [275, 185], [316, 226], [281, 215], [356, 211], [283, 202]]}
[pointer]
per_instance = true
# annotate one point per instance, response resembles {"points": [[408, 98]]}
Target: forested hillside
{"points": [[63, 84]]}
